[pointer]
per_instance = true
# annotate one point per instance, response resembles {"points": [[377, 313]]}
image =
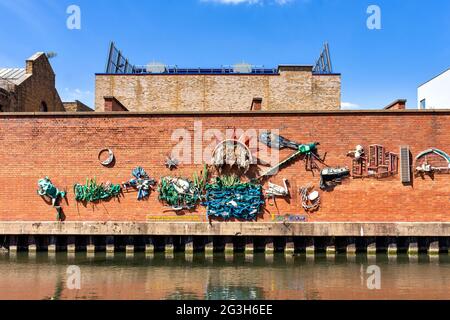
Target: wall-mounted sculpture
{"points": [[432, 161], [141, 182], [330, 177], [310, 198], [171, 162], [109, 160], [47, 189], [358, 153], [275, 190], [178, 193], [377, 163], [308, 151], [231, 153], [93, 192], [181, 193], [229, 198]]}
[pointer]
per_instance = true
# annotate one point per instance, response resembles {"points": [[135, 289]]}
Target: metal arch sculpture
{"points": [[427, 167]]}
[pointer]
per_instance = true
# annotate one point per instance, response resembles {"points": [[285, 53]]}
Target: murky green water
{"points": [[223, 277]]}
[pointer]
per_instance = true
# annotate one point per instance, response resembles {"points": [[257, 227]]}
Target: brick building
{"points": [[285, 88], [76, 106], [241, 87], [29, 89]]}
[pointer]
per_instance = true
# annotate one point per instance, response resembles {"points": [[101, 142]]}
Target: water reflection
{"points": [[223, 277]]}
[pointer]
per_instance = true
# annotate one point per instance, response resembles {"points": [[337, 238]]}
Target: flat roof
{"points": [[216, 71]]}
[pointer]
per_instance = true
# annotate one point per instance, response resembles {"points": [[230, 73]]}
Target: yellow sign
{"points": [[173, 218]]}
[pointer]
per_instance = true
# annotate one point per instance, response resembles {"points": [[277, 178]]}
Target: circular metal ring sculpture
{"points": [[110, 159]]}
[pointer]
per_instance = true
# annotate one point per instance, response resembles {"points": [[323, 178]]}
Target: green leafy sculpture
{"points": [[93, 192], [47, 189], [183, 194]]}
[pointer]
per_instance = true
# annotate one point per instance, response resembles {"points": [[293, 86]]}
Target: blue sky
{"points": [[377, 66]]}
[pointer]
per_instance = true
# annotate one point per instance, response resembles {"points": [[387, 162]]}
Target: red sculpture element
{"points": [[378, 163]]}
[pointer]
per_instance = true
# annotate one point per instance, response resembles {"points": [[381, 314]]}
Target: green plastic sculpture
{"points": [[93, 192], [47, 189]]}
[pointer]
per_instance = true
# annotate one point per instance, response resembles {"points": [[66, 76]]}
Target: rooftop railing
{"points": [[176, 70]]}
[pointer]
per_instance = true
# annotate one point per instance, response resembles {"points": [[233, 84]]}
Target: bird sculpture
{"points": [[275, 190]]}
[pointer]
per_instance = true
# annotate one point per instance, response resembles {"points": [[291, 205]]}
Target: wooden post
{"points": [[13, 242], [109, 245], [32, 247], [71, 247]]}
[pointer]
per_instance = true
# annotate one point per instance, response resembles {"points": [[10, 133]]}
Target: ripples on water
{"points": [[223, 277]]}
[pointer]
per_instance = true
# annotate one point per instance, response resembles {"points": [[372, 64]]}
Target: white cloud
{"points": [[283, 2], [84, 96], [349, 106], [249, 2]]}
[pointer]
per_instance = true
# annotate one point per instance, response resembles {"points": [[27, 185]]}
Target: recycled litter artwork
{"points": [[275, 190], [232, 152], [141, 182], [229, 198], [171, 162], [378, 163], [330, 177], [432, 161], [181, 193], [108, 161], [93, 192], [47, 189], [310, 198], [308, 151]]}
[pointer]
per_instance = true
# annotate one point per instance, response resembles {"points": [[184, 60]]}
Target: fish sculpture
{"points": [[277, 142], [329, 177]]}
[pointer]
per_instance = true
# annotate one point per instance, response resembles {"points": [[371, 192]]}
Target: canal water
{"points": [[158, 276]]}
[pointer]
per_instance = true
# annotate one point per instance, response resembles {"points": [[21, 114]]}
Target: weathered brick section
{"points": [[65, 148], [295, 88]]}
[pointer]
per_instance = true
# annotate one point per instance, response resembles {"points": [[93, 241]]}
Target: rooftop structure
{"points": [[32, 88], [160, 87]]}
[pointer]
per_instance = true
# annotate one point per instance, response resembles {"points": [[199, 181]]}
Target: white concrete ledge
{"points": [[426, 229]]}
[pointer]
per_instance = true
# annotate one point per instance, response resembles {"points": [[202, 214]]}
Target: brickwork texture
{"points": [[294, 88], [65, 148]]}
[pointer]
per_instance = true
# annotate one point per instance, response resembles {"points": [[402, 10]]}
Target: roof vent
{"points": [[156, 67], [242, 68]]}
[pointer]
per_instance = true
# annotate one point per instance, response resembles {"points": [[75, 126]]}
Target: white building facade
{"points": [[435, 93]]}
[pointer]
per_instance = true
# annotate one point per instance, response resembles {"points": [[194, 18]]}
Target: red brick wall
{"points": [[65, 148]]}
